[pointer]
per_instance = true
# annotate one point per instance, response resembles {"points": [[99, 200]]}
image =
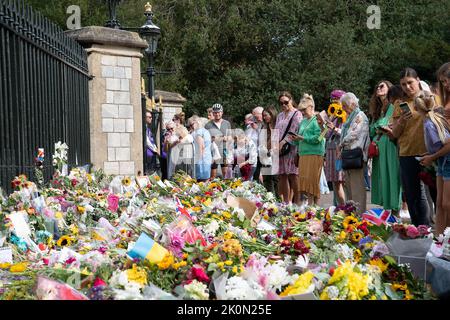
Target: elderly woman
{"points": [[202, 145], [355, 137], [181, 151], [244, 156], [311, 149]]}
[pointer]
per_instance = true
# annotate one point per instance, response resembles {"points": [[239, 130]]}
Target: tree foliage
{"points": [[243, 53]]}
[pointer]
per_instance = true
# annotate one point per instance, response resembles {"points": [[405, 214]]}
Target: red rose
{"points": [[99, 282]]}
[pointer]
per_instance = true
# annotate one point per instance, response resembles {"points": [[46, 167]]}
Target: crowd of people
{"points": [[295, 151]]}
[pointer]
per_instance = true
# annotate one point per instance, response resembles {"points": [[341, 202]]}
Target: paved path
{"points": [[326, 200]]}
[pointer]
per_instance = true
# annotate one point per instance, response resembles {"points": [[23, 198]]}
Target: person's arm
{"points": [[312, 135], [354, 132], [201, 145], [427, 160]]}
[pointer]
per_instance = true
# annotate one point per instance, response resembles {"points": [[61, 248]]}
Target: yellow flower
{"points": [[342, 236], [18, 267], [137, 275], [300, 286], [233, 247], [228, 262], [178, 265], [356, 282], [220, 264], [349, 222], [357, 255], [377, 262], [166, 262], [64, 241], [235, 269], [226, 215], [356, 237], [228, 235], [126, 181], [81, 209], [74, 229], [5, 265]]}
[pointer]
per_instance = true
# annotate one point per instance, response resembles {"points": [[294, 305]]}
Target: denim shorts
{"points": [[443, 168]]}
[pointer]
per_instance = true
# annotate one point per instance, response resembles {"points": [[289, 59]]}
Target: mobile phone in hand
{"points": [[293, 134], [405, 108]]}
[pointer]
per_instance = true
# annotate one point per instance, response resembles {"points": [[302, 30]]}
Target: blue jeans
{"points": [[443, 167], [414, 190]]}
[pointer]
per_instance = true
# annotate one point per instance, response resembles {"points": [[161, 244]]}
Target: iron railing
{"points": [[44, 94]]}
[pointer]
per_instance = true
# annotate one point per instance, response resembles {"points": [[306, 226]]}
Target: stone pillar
{"points": [[115, 98]]}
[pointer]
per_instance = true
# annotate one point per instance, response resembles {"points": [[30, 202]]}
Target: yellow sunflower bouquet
{"points": [[335, 110]]}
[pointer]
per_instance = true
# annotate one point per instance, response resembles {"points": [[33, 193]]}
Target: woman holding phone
{"points": [[408, 129], [386, 186]]}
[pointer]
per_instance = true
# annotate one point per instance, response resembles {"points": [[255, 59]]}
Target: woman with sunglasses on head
{"points": [[287, 120], [386, 186], [409, 131]]}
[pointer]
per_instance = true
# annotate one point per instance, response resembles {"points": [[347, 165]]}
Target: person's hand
{"points": [[330, 125], [426, 161], [296, 138], [405, 117], [242, 164]]}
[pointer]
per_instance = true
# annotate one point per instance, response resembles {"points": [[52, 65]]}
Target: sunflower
{"points": [[332, 109], [356, 237], [126, 181], [349, 221], [64, 241]]}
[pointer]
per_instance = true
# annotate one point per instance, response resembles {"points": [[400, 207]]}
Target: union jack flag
{"points": [[181, 209], [379, 216]]}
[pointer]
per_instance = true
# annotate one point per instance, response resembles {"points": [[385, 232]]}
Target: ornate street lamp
{"points": [[151, 34], [112, 7]]}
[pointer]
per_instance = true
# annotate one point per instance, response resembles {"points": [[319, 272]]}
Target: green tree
{"points": [[242, 54]]}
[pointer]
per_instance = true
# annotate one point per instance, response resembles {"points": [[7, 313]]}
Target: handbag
{"points": [[352, 159], [373, 150], [286, 148]]}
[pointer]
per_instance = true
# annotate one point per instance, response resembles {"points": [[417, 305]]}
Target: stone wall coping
{"points": [[88, 36]]}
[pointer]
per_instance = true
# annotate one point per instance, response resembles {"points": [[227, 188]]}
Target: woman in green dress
{"points": [[386, 185]]}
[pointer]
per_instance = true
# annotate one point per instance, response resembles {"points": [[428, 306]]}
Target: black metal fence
{"points": [[43, 92]]}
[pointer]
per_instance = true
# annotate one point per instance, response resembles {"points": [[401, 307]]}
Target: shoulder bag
{"points": [[286, 148]]}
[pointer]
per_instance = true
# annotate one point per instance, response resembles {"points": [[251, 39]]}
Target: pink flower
{"points": [[199, 274], [113, 202], [412, 232], [423, 230], [70, 260], [99, 282]]}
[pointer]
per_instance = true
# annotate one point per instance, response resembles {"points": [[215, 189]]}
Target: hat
{"points": [[217, 107], [337, 94]]}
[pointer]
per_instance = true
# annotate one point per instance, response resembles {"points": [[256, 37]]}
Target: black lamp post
{"points": [[112, 22], [150, 33]]}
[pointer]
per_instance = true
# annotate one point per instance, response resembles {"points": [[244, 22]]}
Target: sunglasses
{"points": [[381, 86], [284, 103]]}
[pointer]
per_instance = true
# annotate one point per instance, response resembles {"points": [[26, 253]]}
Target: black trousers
{"points": [[257, 171], [414, 191]]}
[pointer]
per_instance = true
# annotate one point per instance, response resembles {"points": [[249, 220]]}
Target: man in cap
{"points": [[220, 130]]}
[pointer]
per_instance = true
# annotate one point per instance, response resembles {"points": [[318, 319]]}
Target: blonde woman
{"points": [[436, 134], [311, 149]]}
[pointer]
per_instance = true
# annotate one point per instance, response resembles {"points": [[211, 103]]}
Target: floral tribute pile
{"points": [[92, 236]]}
